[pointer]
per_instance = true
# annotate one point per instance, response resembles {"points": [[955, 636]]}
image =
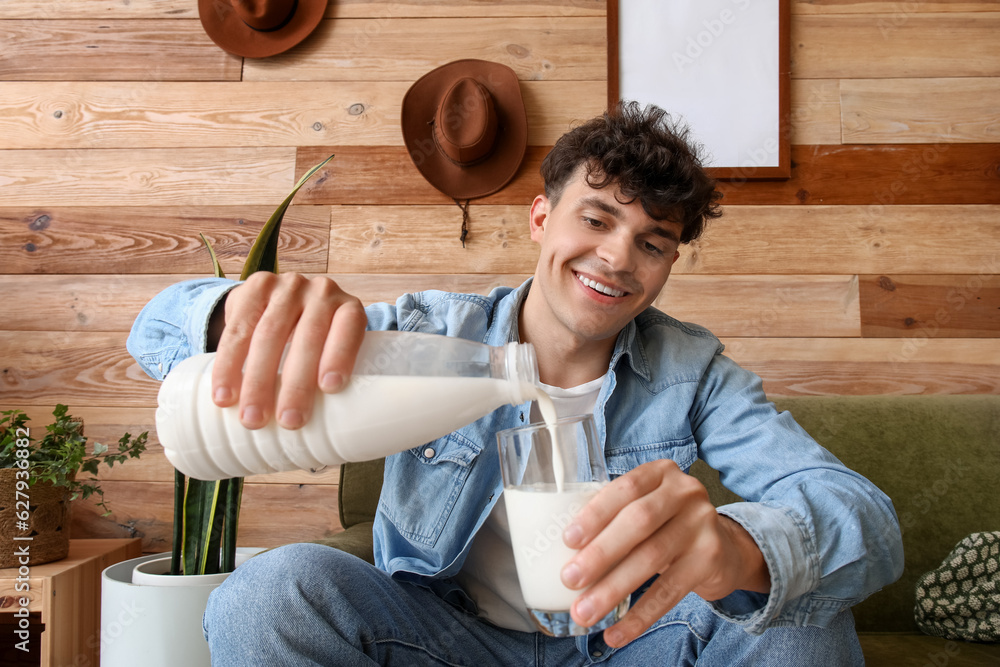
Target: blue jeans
{"points": [[307, 604]]}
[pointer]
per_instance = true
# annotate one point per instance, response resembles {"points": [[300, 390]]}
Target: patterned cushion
{"points": [[961, 599]]}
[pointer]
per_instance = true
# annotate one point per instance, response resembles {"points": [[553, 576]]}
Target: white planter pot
{"points": [[151, 618]]}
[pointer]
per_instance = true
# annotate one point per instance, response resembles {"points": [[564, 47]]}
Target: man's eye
{"points": [[653, 249], [591, 222]]}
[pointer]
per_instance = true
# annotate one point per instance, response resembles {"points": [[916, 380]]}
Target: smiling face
{"points": [[601, 264]]}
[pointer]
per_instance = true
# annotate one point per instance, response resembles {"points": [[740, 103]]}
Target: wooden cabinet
{"points": [[63, 612]]}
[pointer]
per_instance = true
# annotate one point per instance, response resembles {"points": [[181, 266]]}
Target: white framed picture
{"points": [[719, 66]]}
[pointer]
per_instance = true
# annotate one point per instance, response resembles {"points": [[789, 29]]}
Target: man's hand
{"points": [[325, 327], [655, 520]]}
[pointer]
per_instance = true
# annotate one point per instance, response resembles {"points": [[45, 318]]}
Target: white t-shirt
{"points": [[489, 575]]}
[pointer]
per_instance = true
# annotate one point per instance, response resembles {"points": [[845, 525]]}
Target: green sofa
{"points": [[937, 457]]}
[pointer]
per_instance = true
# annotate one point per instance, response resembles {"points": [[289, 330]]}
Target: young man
{"points": [[768, 581]]}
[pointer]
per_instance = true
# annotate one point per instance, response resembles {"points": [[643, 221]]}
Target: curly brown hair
{"points": [[647, 156]]}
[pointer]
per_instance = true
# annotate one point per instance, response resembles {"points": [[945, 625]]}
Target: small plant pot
{"points": [[45, 529], [152, 618]]}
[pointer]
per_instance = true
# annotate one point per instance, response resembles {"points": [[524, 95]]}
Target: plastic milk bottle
{"points": [[407, 389]]}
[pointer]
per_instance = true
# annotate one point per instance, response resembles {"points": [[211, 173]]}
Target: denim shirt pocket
{"points": [[429, 481], [683, 451]]}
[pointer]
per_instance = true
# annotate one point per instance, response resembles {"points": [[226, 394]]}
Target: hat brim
{"points": [[420, 105], [224, 26]]}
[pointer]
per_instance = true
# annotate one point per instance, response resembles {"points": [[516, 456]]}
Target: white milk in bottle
{"points": [[407, 389]]}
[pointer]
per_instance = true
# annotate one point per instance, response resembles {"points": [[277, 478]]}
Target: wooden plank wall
{"points": [[124, 132]]}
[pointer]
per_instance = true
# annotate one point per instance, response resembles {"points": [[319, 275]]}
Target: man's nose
{"points": [[616, 251]]}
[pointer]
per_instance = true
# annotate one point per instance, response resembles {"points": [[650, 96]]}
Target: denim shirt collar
{"points": [[504, 329], [628, 344]]}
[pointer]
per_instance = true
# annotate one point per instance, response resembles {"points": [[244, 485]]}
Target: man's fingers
{"points": [[648, 532], [660, 598], [610, 501], [596, 602], [346, 333], [322, 326], [330, 317], [244, 307], [298, 371], [626, 512], [267, 347], [662, 552]]}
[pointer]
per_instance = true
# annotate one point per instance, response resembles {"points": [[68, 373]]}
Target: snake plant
{"points": [[206, 513]]}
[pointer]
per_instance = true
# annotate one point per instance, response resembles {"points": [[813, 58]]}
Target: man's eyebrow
{"points": [[599, 203], [666, 233]]}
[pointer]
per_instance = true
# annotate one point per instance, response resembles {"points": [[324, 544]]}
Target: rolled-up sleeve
{"points": [[829, 536], [174, 324]]}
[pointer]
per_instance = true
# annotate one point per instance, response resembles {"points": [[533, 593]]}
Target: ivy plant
{"points": [[61, 456]]}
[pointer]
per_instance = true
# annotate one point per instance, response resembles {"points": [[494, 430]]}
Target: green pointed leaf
{"points": [[200, 502], [216, 266], [263, 255], [178, 529], [234, 495], [212, 559]]}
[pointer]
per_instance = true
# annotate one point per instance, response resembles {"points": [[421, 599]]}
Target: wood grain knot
{"points": [[39, 223], [885, 282], [518, 51], [356, 109]]}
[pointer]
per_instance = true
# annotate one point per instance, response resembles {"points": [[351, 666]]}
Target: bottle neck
{"points": [[520, 369]]}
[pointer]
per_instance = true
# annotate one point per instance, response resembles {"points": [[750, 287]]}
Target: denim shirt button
{"points": [[597, 654], [429, 453]]}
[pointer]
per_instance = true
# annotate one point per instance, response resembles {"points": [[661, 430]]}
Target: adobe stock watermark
{"points": [[372, 28], [765, 155], [761, 324], [956, 299], [912, 169], [22, 543], [943, 657], [902, 11], [946, 482], [114, 628], [543, 539], [714, 29]]}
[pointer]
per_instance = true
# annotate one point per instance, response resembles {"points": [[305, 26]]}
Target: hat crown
{"points": [[264, 15], [465, 123]]}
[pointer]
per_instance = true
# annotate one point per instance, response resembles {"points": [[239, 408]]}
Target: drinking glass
{"points": [[550, 471]]}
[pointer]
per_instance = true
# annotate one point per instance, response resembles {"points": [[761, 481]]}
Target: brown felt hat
{"points": [[465, 127], [259, 28]]}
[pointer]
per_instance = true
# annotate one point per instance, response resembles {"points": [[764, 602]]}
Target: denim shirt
{"points": [[829, 537]]}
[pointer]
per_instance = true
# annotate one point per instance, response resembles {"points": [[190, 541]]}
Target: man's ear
{"points": [[537, 217]]}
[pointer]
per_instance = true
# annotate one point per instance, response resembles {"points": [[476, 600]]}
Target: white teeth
{"points": [[603, 289]]}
